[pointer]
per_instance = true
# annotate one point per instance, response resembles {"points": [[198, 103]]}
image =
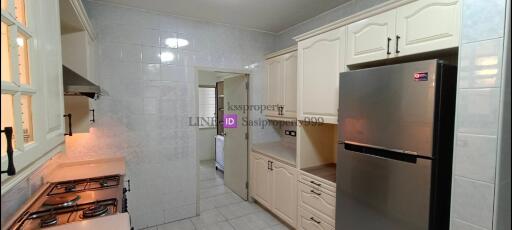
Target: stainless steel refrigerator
{"points": [[394, 161]]}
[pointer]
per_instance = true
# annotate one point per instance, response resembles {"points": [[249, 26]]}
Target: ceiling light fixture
{"points": [[176, 42]]}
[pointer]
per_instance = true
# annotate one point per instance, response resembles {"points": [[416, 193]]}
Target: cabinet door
{"points": [[427, 25], [274, 84], [320, 61], [285, 192], [290, 85], [371, 39], [261, 180]]}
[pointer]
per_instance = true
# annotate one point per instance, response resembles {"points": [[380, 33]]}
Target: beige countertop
{"points": [[87, 169], [277, 150], [119, 221]]}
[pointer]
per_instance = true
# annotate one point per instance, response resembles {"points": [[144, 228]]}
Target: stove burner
{"points": [[69, 187], [62, 200], [94, 211], [48, 220]]}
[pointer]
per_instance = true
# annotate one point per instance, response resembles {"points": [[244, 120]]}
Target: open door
{"points": [[235, 141]]}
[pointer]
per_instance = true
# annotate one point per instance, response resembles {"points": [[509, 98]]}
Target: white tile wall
{"points": [[473, 157], [151, 95], [473, 202], [482, 20], [479, 108]]}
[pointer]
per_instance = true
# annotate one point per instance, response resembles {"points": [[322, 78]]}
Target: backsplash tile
{"points": [[473, 202], [477, 111], [482, 20], [480, 65], [475, 157]]}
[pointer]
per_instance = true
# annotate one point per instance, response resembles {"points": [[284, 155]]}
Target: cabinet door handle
{"points": [[314, 220], [316, 193], [396, 48], [317, 184], [93, 116], [271, 166], [70, 133], [268, 165], [11, 170], [389, 41]]}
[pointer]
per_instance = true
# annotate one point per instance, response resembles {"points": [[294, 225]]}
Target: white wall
{"points": [[206, 144], [145, 117]]}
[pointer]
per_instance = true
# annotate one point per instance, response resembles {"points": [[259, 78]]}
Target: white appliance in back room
{"points": [[395, 150]]}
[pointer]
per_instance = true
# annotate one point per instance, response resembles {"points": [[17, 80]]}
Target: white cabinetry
{"points": [[274, 185], [417, 27], [371, 39], [320, 61], [261, 179], [282, 85], [427, 25], [284, 190]]}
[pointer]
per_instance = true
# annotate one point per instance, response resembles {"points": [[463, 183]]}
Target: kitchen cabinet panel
{"points": [[317, 200], [427, 25], [284, 192], [261, 179], [320, 60], [371, 38], [274, 84], [290, 85]]}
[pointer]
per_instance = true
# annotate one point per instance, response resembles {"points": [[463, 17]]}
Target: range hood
{"points": [[76, 85]]}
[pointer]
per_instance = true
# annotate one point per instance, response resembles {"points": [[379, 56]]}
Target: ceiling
{"points": [[264, 15]]}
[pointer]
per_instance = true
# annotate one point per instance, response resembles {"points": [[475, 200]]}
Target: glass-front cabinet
{"points": [[32, 98]]}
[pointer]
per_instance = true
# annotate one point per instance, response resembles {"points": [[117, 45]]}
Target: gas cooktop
{"points": [[72, 201]]}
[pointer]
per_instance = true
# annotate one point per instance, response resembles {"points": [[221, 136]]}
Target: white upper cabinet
{"points": [[427, 25], [274, 84], [282, 86], [290, 85], [320, 61], [371, 39]]}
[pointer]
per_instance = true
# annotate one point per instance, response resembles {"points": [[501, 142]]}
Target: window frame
{"points": [[199, 107], [24, 153]]}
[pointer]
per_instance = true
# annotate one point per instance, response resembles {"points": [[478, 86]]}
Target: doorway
{"points": [[222, 149]]}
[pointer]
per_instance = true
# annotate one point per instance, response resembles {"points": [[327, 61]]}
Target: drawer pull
{"points": [[316, 193], [314, 220], [317, 184]]}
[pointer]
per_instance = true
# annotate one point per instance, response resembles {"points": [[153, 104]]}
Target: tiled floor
{"points": [[221, 209]]}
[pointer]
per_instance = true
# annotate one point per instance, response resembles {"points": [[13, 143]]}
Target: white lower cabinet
{"points": [[274, 185], [309, 221], [261, 179], [318, 200]]}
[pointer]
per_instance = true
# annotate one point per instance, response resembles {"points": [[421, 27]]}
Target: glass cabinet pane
{"points": [[23, 65], [7, 118], [6, 57], [26, 113], [19, 8]]}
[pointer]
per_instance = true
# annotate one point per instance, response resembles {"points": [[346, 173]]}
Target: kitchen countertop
{"points": [[119, 221], [87, 169], [278, 150]]}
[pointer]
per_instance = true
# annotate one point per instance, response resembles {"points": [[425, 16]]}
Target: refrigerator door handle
{"points": [[382, 152]]}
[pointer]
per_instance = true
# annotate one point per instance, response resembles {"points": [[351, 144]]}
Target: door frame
{"points": [[248, 74]]}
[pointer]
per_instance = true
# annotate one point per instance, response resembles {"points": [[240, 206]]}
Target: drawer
{"points": [[317, 200], [308, 221], [318, 183]]}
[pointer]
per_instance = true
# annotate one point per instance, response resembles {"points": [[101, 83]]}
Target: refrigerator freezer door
{"points": [[380, 193], [390, 107]]}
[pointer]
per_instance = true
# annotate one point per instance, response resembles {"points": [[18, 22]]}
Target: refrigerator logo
{"points": [[421, 76]]}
